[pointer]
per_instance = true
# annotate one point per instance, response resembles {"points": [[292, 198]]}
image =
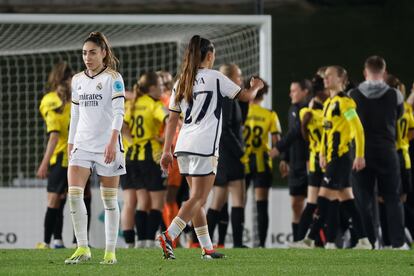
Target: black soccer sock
{"points": [[306, 220], [57, 232], [129, 236], [223, 224], [141, 220], [332, 221], [323, 208], [212, 220], [351, 210], [295, 230], [262, 220], [153, 223], [237, 215], [50, 223]]}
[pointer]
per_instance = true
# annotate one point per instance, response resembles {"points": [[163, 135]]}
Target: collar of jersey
{"points": [[92, 77]]}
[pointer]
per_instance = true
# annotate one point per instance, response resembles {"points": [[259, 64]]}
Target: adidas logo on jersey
{"points": [[120, 167], [79, 87]]}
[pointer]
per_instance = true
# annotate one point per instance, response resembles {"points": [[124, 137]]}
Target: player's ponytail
{"points": [[143, 85], [195, 53], [64, 92], [61, 72], [110, 60]]}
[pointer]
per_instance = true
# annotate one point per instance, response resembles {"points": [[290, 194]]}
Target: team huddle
{"points": [[208, 131]]}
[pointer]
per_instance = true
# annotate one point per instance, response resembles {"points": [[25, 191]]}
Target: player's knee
{"points": [[109, 197]]}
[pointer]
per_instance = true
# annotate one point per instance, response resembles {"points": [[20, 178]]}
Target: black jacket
{"points": [[231, 141], [379, 107], [292, 144]]}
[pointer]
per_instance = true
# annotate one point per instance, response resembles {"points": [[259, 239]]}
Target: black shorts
{"points": [[228, 169], [57, 180], [315, 177], [144, 174], [406, 185], [259, 180], [338, 173], [298, 183]]}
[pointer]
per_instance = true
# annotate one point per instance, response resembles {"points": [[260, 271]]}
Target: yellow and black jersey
{"points": [[144, 119], [404, 125], [315, 130], [341, 124], [50, 101], [259, 123], [58, 120]]}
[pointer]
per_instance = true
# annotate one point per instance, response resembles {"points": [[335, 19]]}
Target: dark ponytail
{"points": [[195, 53], [100, 40]]}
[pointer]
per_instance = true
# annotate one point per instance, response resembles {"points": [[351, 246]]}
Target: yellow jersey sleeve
{"points": [[52, 122], [128, 108], [302, 112], [160, 112], [410, 116], [275, 127]]}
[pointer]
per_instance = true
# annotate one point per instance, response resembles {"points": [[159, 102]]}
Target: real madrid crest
{"points": [[99, 86]]}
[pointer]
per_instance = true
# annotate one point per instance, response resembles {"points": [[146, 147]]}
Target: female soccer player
{"points": [[144, 183], [55, 160], [341, 124], [259, 124], [95, 142], [311, 126], [198, 94], [230, 170]]}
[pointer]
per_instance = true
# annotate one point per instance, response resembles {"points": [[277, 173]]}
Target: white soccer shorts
{"points": [[194, 165], [92, 160]]}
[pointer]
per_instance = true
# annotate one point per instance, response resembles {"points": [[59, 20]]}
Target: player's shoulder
{"points": [[112, 73], [78, 76]]}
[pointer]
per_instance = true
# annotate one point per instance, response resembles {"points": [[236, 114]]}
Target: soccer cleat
{"points": [[330, 245], [82, 254], [42, 245], [405, 246], [211, 254], [58, 244], [363, 244], [303, 244], [166, 245], [109, 258]]}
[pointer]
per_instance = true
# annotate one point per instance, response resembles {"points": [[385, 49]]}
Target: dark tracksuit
{"points": [[296, 152], [379, 107]]}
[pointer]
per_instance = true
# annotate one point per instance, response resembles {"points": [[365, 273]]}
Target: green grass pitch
{"points": [[253, 262]]}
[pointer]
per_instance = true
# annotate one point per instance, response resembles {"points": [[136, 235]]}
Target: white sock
{"points": [[204, 237], [110, 202], [79, 215], [176, 227]]}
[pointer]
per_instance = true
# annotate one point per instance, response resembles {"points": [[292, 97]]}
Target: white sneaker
{"points": [[403, 247], [330, 245], [151, 244], [303, 244], [140, 244], [363, 244], [58, 244]]}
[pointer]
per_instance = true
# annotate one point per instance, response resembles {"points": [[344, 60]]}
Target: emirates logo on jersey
{"points": [[99, 86]]}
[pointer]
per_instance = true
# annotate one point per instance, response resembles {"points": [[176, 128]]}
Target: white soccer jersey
{"points": [[97, 109], [201, 130]]}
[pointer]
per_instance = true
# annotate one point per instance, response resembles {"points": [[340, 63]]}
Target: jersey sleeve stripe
{"points": [[236, 95], [53, 130], [173, 110], [75, 102], [119, 96]]}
